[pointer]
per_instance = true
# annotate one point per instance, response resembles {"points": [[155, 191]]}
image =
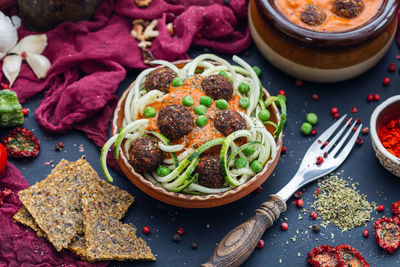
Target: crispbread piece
{"points": [[55, 203], [24, 217], [106, 237]]}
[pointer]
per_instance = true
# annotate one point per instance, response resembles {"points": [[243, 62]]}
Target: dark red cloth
{"points": [[90, 58], [19, 246]]}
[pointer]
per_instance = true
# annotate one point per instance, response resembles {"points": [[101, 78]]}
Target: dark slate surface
{"points": [[207, 226]]}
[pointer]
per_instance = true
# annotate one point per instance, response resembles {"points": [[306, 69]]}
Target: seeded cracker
{"points": [[106, 237]]}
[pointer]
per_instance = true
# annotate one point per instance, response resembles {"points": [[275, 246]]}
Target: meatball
{"points": [[348, 8], [160, 79], [218, 87], [174, 121], [312, 15], [209, 170], [229, 121], [144, 155]]}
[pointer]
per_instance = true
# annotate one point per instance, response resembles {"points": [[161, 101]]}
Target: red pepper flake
{"points": [[21, 143], [282, 92], [315, 97], [319, 141], [180, 231], [366, 233], [377, 97], [59, 146], [359, 141], [325, 143], [380, 208], [300, 203], [48, 162], [260, 243], [314, 132], [298, 194], [351, 256], [354, 129], [23, 54], [7, 192], [25, 111], [325, 154], [353, 110], [324, 256], [365, 130], [392, 67], [284, 226], [259, 189], [396, 208], [386, 81], [283, 150], [313, 215], [334, 110], [320, 160], [299, 82], [370, 97], [358, 120], [146, 230], [387, 233], [317, 191], [336, 116]]}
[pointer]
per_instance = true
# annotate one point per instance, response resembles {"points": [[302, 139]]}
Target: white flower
{"points": [[29, 48]]}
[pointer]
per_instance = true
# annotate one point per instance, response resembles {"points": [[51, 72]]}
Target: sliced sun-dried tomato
{"points": [[21, 143], [324, 256], [351, 256], [387, 233], [396, 208]]}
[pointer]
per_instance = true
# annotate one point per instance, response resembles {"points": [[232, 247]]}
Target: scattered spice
{"points": [[282, 92], [313, 215], [334, 110], [194, 245], [314, 132], [180, 231], [298, 194], [284, 226], [315, 97], [336, 116], [377, 97], [366, 233], [299, 82], [25, 111], [300, 203], [389, 135], [317, 191], [386, 81], [81, 148], [365, 130], [358, 120], [340, 203], [260, 243], [380, 208], [283, 150], [146, 230], [392, 67], [320, 160], [359, 141], [353, 110], [59, 146], [176, 238], [316, 228], [259, 189], [370, 97]]}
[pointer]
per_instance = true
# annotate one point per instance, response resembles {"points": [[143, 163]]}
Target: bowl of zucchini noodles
{"points": [[196, 133]]}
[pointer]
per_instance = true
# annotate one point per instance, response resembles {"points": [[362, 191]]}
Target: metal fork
{"points": [[239, 243]]}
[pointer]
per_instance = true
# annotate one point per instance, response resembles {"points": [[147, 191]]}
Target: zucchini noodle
{"points": [[183, 160]]}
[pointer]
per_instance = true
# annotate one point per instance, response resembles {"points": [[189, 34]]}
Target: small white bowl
{"points": [[388, 110]]}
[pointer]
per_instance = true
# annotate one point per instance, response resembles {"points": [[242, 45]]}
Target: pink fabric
{"points": [[90, 58], [19, 246]]}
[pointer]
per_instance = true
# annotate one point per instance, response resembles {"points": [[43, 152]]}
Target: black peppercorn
{"points": [[194, 245], [176, 238], [316, 228]]}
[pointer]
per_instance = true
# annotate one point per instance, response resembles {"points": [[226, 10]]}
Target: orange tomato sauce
{"points": [[199, 135], [292, 9]]}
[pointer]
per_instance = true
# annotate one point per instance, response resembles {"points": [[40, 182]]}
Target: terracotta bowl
{"points": [[388, 110], [321, 56], [193, 201]]}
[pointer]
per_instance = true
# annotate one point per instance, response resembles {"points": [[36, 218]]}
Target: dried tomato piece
{"points": [[324, 256], [351, 256], [396, 208], [21, 143], [387, 233]]}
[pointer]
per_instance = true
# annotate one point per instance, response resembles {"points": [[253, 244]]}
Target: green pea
{"points": [[256, 166], [306, 128], [281, 97], [163, 171], [149, 112], [249, 150], [244, 102], [223, 73], [240, 163], [187, 101], [177, 82], [201, 120], [264, 115], [312, 118], [206, 101], [200, 110], [221, 104], [244, 88], [257, 70]]}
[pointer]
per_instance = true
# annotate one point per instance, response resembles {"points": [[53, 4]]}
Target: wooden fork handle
{"points": [[239, 243]]}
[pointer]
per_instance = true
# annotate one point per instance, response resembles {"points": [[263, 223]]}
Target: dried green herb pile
{"points": [[339, 202]]}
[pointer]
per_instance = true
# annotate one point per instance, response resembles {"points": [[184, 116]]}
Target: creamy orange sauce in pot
{"points": [[333, 23]]}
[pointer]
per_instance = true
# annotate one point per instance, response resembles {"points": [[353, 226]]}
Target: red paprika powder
{"points": [[389, 135]]}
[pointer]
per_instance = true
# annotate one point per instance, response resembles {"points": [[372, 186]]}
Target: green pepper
{"points": [[10, 109]]}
